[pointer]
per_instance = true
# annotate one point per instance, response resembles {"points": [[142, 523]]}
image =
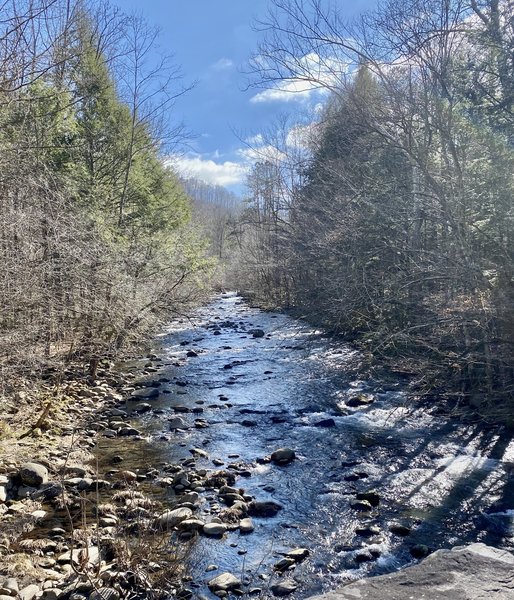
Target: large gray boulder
{"points": [[33, 474], [474, 572]]}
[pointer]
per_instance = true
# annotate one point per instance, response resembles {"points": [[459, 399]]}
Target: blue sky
{"points": [[212, 40]]}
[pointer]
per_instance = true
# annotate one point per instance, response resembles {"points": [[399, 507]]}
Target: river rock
{"points": [[214, 529], [360, 505], [29, 592], [360, 400], [199, 452], [364, 556], [170, 518], [51, 594], [268, 508], [257, 333], [420, 551], [246, 525], [191, 525], [356, 476], [224, 582], [190, 497], [128, 432], [177, 423], [49, 491], [284, 588], [283, 456], [367, 530], [469, 572], [325, 423], [399, 529], [33, 474], [283, 564], [146, 393], [298, 554], [372, 496]]}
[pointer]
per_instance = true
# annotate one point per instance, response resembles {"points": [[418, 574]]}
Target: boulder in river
{"points": [[283, 564], [360, 505], [257, 333], [420, 551], [360, 400], [298, 554], [146, 393], [284, 588], [224, 582], [214, 529], [283, 456], [372, 496], [325, 423], [399, 529], [177, 423], [265, 509], [246, 525]]}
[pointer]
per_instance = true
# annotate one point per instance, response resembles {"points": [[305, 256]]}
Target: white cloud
{"points": [[255, 140], [315, 75], [223, 64], [216, 173], [261, 153], [285, 91]]}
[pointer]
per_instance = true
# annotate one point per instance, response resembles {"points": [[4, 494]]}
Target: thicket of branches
{"points": [[397, 227], [94, 242]]}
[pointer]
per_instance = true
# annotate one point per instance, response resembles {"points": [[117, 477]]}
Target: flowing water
{"points": [[449, 483]]}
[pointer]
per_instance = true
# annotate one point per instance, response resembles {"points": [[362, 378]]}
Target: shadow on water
{"points": [[448, 483]]}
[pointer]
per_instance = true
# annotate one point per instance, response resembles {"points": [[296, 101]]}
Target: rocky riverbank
{"points": [[73, 531], [61, 519]]}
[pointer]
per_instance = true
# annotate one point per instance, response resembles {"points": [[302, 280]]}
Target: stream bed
{"points": [[257, 381]]}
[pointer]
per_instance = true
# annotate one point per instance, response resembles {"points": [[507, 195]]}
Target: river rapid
{"points": [[445, 483]]}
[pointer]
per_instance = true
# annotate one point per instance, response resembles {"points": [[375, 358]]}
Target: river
{"points": [[445, 482]]}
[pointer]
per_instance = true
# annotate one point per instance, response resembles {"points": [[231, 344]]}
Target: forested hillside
{"points": [[396, 226], [94, 231]]}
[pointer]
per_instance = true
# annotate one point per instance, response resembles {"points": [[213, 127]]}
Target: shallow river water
{"points": [[449, 483]]}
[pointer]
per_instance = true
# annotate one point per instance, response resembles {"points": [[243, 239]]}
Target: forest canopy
{"points": [[95, 234]]}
